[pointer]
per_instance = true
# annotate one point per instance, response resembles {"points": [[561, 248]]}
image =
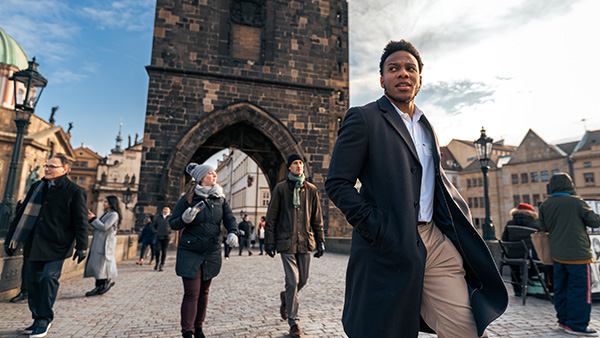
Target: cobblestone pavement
{"points": [[243, 302]]}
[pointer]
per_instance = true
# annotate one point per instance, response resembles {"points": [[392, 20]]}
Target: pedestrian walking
{"points": [[294, 228], [101, 263], [199, 215], [52, 217], [162, 229], [565, 217], [245, 227], [415, 252], [260, 230], [147, 239]]}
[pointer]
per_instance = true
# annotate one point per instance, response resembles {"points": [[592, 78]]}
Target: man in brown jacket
{"points": [[294, 227]]}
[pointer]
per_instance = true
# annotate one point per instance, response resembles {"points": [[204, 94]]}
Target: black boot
{"points": [[20, 297], [106, 286], [94, 292], [198, 333]]}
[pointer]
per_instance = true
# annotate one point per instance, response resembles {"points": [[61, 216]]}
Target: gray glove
{"points": [[188, 215], [231, 240]]}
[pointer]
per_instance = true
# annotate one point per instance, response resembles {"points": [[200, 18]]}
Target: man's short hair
{"points": [[395, 46], [63, 159]]}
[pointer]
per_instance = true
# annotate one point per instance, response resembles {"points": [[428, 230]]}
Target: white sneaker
{"points": [[40, 331], [587, 332]]}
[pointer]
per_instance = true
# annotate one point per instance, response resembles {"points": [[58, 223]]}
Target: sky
{"points": [[505, 65]]}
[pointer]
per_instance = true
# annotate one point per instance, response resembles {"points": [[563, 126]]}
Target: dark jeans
{"points": [[25, 275], [261, 243], [195, 301], [145, 248], [244, 241], [161, 250], [572, 294], [226, 249], [43, 287]]}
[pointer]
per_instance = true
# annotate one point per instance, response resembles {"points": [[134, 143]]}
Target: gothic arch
{"points": [[242, 125]]}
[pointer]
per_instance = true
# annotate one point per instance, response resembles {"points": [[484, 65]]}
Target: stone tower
{"points": [[267, 77]]}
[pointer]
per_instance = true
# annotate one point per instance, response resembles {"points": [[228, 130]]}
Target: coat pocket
{"points": [[283, 245]]}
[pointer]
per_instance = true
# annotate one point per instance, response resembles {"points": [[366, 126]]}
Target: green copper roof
{"points": [[11, 53]]}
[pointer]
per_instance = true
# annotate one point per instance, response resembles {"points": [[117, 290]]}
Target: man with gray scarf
{"points": [[294, 227]]}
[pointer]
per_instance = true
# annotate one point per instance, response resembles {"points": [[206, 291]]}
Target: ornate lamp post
{"points": [[28, 87], [483, 146]]}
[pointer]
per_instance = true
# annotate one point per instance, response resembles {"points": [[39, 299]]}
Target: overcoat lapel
{"points": [[393, 118]]}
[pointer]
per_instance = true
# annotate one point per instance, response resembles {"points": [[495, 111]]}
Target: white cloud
{"points": [[509, 66]]}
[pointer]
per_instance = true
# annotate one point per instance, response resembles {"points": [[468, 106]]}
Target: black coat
{"points": [[384, 279], [62, 219], [200, 242], [246, 227], [520, 227]]}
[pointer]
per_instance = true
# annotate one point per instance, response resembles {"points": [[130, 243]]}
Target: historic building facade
{"points": [[84, 172], [266, 77], [245, 186]]}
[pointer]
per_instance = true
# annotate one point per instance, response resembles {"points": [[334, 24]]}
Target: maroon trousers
{"points": [[195, 300]]}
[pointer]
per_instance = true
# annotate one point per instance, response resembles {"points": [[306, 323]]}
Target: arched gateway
{"points": [[267, 77]]}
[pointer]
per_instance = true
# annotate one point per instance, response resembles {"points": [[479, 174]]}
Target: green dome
{"points": [[11, 53]]}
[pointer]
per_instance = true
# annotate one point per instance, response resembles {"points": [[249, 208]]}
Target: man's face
{"points": [[166, 210], [246, 218], [401, 79], [54, 168], [297, 167]]}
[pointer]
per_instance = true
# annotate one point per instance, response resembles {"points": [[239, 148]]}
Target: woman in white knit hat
{"points": [[199, 214]]}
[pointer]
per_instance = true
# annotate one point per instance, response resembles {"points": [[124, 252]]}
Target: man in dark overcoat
{"points": [[414, 248], [51, 220]]}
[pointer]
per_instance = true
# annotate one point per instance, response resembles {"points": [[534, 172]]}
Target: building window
{"points": [[536, 200], [524, 178], [587, 164], [83, 164], [468, 183], [588, 178], [470, 202], [475, 202], [526, 199], [82, 180], [265, 197], [535, 177], [514, 178], [477, 223], [516, 200], [545, 176], [480, 182], [481, 203], [555, 171]]}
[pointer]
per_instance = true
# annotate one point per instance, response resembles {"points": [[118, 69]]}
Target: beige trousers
{"points": [[445, 304]]}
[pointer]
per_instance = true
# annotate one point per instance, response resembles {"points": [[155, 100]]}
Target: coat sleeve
{"points": [[316, 219], [111, 219], [229, 219], [589, 217], [272, 215], [347, 160], [175, 220], [543, 227], [79, 218]]}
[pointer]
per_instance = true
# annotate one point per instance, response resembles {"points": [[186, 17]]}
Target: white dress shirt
{"points": [[424, 146]]}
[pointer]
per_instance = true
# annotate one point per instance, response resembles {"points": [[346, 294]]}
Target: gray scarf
{"points": [[214, 190]]}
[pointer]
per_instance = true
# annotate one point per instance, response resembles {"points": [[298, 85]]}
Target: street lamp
{"points": [[28, 87], [483, 146], [127, 197]]}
